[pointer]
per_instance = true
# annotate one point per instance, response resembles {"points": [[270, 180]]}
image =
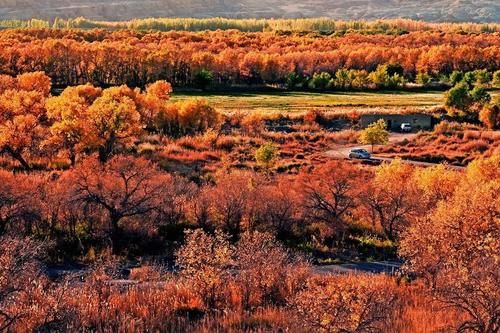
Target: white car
{"points": [[360, 154], [406, 127]]}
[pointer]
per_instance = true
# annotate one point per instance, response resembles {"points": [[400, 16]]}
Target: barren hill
{"points": [[430, 10]]}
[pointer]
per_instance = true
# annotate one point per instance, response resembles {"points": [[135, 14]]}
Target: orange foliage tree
{"points": [[392, 198], [122, 189], [23, 115], [331, 193], [347, 304], [19, 205], [456, 247]]}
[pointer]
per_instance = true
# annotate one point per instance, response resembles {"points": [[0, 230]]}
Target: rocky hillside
{"points": [[430, 10]]}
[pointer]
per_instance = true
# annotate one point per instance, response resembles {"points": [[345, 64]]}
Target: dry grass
{"points": [[302, 102]]}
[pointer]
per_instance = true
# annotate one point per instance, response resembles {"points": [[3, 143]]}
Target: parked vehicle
{"points": [[361, 154], [406, 127]]}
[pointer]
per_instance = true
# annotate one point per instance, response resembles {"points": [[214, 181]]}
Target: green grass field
{"points": [[272, 102]]}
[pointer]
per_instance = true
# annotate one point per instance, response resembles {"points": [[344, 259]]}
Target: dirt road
{"points": [[342, 151]]}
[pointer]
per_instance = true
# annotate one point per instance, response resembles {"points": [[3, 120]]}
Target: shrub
{"points": [[253, 124], [320, 81], [347, 304], [314, 117], [490, 116], [267, 154], [423, 78], [448, 128], [203, 79]]}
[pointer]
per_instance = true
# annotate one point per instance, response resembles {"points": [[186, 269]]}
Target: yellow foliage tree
{"points": [[68, 112], [111, 120], [456, 247], [374, 134]]}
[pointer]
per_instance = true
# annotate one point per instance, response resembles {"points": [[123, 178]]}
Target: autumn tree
{"points": [[347, 304], [435, 184], [456, 247], [153, 102], [391, 198], [18, 202], [275, 208], [113, 119], [123, 188], [68, 113], [230, 201], [331, 193], [375, 134], [34, 81], [23, 117], [205, 260], [187, 118]]}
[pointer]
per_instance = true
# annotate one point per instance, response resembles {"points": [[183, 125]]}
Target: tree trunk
{"points": [[18, 157], [115, 231]]}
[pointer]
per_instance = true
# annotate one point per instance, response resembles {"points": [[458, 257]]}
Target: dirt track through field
{"points": [[342, 151]]}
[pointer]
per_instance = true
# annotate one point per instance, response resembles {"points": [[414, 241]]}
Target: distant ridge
{"points": [[428, 10]]}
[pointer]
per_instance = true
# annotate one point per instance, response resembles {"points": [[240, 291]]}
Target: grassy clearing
{"points": [[297, 102], [304, 101]]}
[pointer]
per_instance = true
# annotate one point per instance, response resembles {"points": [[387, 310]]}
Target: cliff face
{"points": [[431, 10]]}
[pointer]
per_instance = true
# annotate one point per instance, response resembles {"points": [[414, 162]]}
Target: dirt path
{"points": [[342, 151]]}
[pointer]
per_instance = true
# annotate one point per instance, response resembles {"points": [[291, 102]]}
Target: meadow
{"points": [[301, 102]]}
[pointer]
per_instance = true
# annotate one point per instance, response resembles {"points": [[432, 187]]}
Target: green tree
{"points": [[470, 78], [320, 81], [393, 69], [374, 134], [380, 77], [458, 97], [483, 77], [467, 98], [267, 154], [456, 77], [292, 80], [423, 78], [496, 78], [480, 95], [203, 79]]}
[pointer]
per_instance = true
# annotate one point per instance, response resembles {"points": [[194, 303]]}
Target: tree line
{"points": [[394, 26], [229, 58]]}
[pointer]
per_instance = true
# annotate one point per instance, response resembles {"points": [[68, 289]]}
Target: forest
{"points": [[124, 208], [226, 59]]}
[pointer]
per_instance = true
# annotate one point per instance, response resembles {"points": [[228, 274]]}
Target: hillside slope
{"points": [[430, 10]]}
